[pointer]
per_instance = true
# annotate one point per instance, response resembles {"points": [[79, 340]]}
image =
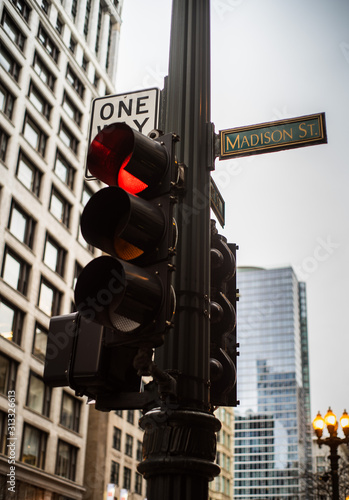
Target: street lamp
{"points": [[333, 441]]}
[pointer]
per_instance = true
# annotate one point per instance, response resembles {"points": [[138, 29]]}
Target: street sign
{"points": [[217, 203], [139, 110], [272, 136]]}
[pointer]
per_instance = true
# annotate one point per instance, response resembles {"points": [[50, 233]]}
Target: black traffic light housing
{"points": [[130, 290], [224, 295], [79, 355], [125, 301]]}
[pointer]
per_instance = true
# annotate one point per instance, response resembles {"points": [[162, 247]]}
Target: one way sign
{"points": [[139, 110]]}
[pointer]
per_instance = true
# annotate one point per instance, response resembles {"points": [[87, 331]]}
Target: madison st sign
{"points": [[273, 136]]}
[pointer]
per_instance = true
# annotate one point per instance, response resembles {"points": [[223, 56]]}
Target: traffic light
{"points": [[129, 290], [224, 295], [124, 298]]}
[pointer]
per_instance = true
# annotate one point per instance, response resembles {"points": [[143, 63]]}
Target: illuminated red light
{"points": [[123, 157], [110, 154], [128, 181]]}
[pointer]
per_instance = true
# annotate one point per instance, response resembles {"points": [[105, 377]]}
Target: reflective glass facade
{"points": [[272, 442]]}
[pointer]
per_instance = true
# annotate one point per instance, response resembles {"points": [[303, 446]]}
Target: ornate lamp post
{"points": [[333, 441]]}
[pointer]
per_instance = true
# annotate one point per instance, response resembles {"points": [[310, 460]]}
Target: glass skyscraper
{"points": [[272, 422]]}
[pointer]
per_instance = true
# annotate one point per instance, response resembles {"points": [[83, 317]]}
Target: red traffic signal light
{"points": [[121, 156]]}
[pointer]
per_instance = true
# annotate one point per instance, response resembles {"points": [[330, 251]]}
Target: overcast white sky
{"points": [[274, 59]]}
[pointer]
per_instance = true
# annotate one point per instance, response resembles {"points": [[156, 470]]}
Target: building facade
{"points": [[272, 423], [55, 57], [115, 449], [221, 488]]}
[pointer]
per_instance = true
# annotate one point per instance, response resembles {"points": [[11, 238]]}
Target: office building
{"points": [[272, 422], [56, 56], [115, 448], [221, 488]]}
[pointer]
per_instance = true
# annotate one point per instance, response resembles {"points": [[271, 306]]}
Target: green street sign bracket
{"points": [[272, 136], [217, 203]]}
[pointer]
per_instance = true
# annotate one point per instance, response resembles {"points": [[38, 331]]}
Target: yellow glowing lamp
{"points": [[318, 425], [331, 421], [330, 418], [344, 420]]}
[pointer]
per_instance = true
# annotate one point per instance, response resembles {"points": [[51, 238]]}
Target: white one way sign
{"points": [[139, 110]]}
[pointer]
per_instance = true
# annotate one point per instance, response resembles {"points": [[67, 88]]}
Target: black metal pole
{"points": [[334, 470], [188, 114], [180, 437]]}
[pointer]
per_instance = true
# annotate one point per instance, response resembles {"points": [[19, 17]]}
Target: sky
{"points": [[273, 59]]}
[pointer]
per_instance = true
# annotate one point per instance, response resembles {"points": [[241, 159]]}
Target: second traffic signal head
{"points": [[223, 320]]}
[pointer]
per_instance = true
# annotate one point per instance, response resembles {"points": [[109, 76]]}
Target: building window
{"points": [[28, 174], [74, 8], [39, 395], [54, 255], [9, 63], [3, 144], [130, 416], [12, 30], [23, 8], [84, 63], [34, 135], [70, 412], [71, 110], [59, 207], [117, 439], [44, 73], [127, 478], [87, 17], [77, 270], [4, 429], [72, 45], [86, 194], [7, 101], [64, 170], [99, 26], [82, 240], [48, 44], [21, 225], [11, 322], [40, 341], [75, 82], [114, 473], [39, 102], [15, 271], [59, 25], [49, 298], [66, 460], [68, 137], [45, 5], [8, 374], [96, 80], [139, 453], [128, 445], [109, 45], [118, 413], [33, 446], [138, 483]]}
